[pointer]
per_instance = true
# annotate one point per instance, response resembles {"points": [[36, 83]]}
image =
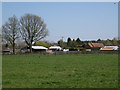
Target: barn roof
{"points": [[38, 47], [109, 48], [55, 47], [7, 50]]}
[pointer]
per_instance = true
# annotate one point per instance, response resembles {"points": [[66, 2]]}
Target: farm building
{"points": [[94, 46], [39, 48], [109, 48], [65, 50], [6, 51], [55, 48], [34, 49]]}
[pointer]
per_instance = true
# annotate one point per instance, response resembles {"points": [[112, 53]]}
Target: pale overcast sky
{"points": [[86, 20]]}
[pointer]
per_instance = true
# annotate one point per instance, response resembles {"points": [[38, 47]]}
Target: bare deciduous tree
{"points": [[32, 29], [10, 31]]}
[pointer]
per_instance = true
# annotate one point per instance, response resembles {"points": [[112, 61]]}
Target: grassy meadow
{"points": [[60, 71]]}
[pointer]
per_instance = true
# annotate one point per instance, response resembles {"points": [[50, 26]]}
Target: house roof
{"points": [[96, 45], [38, 47], [90, 44]]}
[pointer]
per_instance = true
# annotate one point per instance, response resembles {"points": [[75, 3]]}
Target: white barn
{"points": [[39, 48], [55, 48]]}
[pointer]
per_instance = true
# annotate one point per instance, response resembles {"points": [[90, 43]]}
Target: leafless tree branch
{"points": [[32, 29]]}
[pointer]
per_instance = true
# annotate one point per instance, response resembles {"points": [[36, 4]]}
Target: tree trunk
{"points": [[30, 48], [13, 48]]}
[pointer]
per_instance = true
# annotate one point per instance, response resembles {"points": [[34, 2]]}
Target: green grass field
{"points": [[61, 71]]}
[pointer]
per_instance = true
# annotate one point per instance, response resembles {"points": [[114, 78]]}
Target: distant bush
{"points": [[71, 52], [84, 52], [41, 43]]}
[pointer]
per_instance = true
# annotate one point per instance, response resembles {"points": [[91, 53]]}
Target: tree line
{"points": [[30, 28], [79, 44]]}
